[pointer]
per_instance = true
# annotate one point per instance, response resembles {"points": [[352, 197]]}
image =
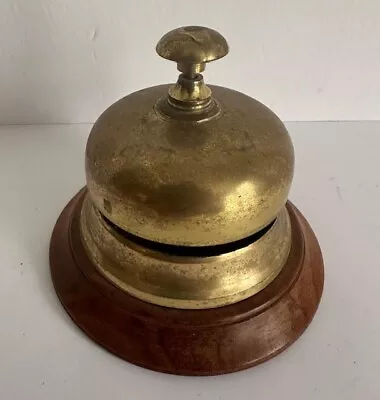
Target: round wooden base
{"points": [[187, 342]]}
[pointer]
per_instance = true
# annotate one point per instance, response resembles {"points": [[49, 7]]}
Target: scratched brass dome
{"points": [[189, 164]]}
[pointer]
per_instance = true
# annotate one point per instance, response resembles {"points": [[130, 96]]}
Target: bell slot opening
{"points": [[191, 251]]}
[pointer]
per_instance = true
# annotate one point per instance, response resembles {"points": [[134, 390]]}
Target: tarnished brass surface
{"points": [[185, 282], [186, 183]]}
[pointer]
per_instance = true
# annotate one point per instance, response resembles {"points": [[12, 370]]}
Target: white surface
{"points": [[44, 355], [66, 60]]}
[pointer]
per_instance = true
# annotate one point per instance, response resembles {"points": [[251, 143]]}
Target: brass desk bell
{"points": [[182, 254]]}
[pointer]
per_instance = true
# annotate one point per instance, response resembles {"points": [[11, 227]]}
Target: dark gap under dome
{"points": [[191, 251]]}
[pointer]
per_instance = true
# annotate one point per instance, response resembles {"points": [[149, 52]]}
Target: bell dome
{"points": [[189, 164]]}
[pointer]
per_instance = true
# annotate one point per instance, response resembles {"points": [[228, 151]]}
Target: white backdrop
{"points": [[64, 61]]}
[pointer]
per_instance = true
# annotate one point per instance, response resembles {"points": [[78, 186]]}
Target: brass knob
{"points": [[191, 47]]}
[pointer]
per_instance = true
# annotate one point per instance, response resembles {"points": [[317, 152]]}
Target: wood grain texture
{"points": [[188, 342]]}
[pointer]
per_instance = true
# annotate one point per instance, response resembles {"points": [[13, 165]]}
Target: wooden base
{"points": [[188, 342]]}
